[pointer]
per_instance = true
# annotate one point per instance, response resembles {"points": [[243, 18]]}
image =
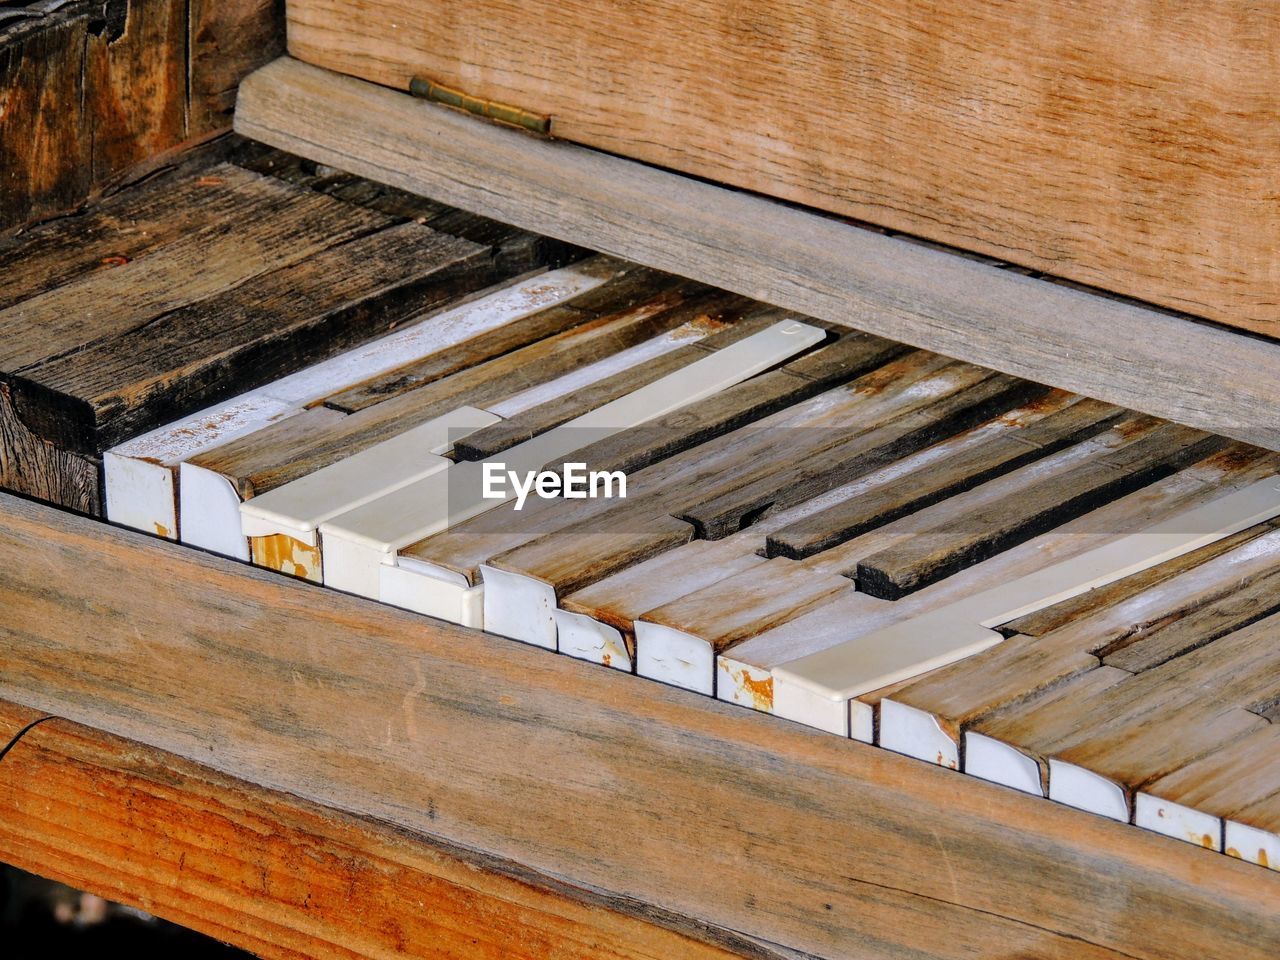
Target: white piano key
{"points": [[1177, 821], [453, 600], [518, 607], [722, 369], [140, 475], [1085, 790], [1252, 844], [916, 733], [911, 647], [364, 538], [352, 566], [812, 709], [672, 656], [445, 499], [209, 513], [298, 508], [989, 759], [584, 638], [831, 619], [744, 684]]}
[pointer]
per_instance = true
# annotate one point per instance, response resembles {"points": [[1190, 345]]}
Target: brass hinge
{"points": [[489, 109]]}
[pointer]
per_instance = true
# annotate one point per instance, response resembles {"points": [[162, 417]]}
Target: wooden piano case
{"points": [[310, 774]]}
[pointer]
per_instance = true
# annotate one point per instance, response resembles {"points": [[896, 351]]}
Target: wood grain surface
{"points": [[231, 265], [97, 91], [282, 877], [727, 821], [31, 465], [1122, 353], [1126, 148]]}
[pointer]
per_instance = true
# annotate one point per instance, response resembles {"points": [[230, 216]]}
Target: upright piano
{"points": [[648, 480]]}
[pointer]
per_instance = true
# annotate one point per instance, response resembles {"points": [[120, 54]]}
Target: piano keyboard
{"points": [[1039, 589]]}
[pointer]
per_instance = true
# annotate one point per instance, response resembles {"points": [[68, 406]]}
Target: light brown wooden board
{"points": [[285, 878], [817, 843], [1125, 148], [1197, 374]]}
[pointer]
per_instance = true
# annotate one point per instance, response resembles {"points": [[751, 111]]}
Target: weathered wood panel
{"points": [[95, 91], [226, 40], [32, 465], [135, 84], [726, 821], [1197, 374], [279, 876], [46, 161], [1130, 148]]}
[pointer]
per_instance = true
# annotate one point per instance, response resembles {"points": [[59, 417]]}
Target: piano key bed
{"points": [[1034, 588]]}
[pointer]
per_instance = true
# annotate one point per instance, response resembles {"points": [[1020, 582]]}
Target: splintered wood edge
{"points": [[1194, 373]]}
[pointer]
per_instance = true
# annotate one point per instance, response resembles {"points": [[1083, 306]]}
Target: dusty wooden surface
{"points": [[279, 876], [1127, 148], [207, 279], [1197, 374], [100, 88], [727, 822]]}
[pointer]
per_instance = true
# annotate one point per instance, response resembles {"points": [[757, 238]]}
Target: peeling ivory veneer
{"points": [[585, 638], [911, 647], [671, 656], [916, 733], [371, 535], [141, 488]]}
